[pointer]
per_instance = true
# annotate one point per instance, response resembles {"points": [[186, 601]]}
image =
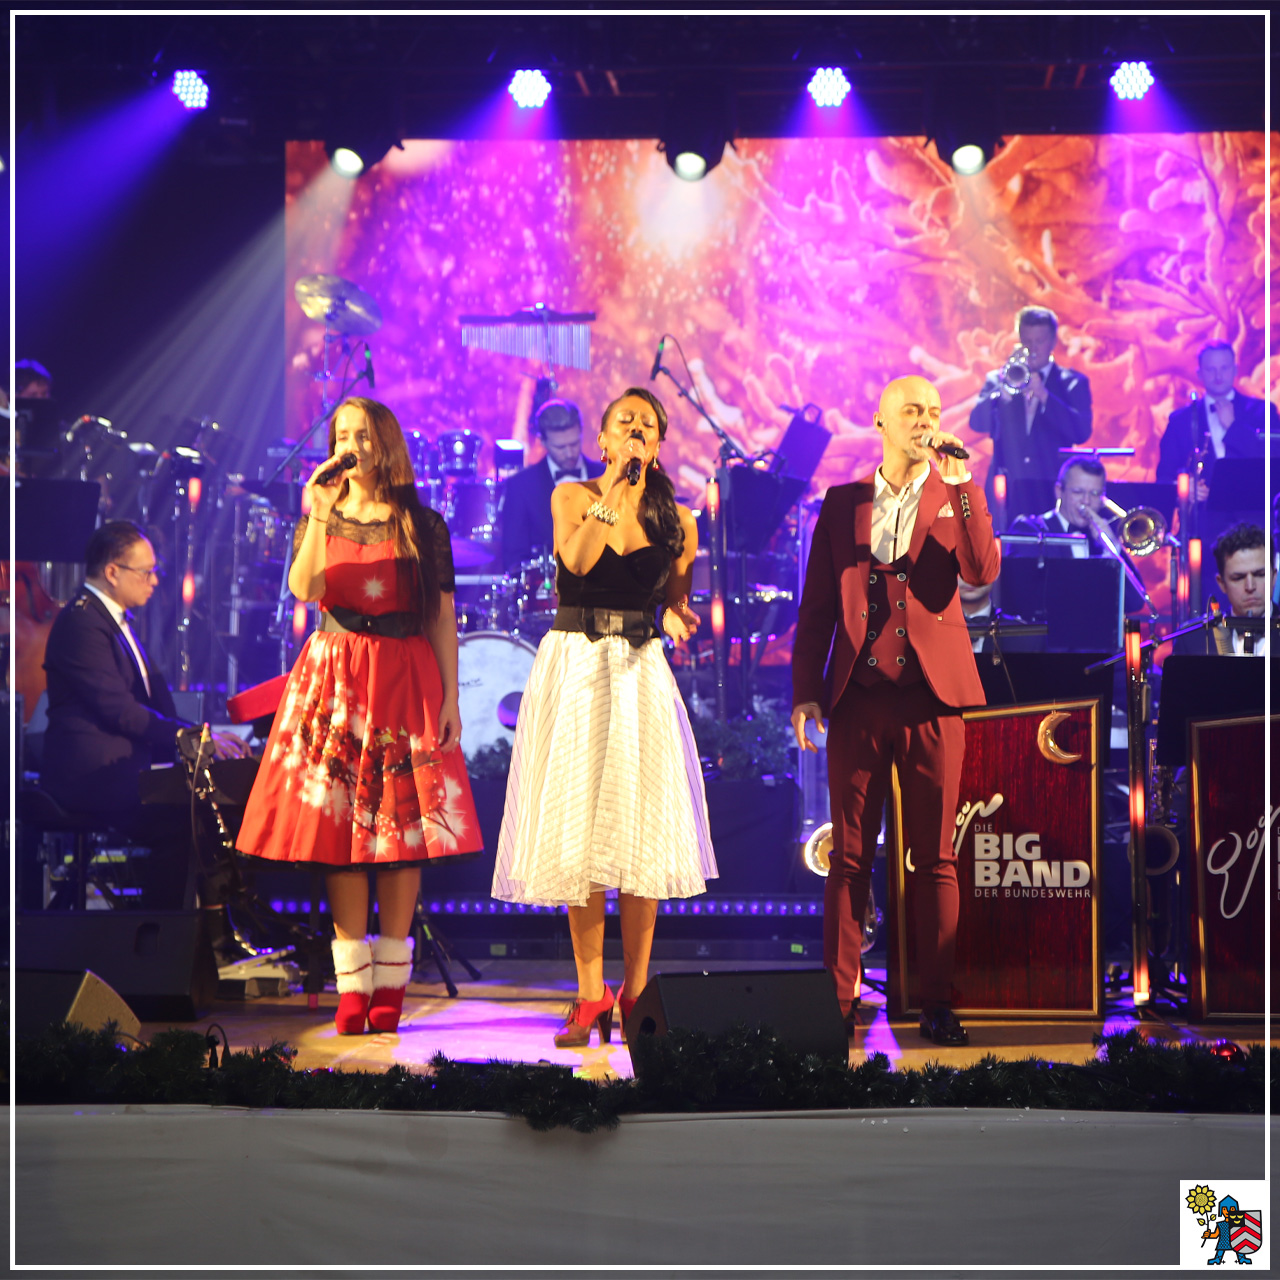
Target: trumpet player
{"points": [[1224, 423], [1032, 408], [1080, 506]]}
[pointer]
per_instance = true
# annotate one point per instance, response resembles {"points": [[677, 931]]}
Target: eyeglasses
{"points": [[152, 572]]}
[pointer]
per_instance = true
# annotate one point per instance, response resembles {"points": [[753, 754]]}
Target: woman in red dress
{"points": [[362, 769]]}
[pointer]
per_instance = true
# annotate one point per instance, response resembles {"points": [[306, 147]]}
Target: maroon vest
{"points": [[886, 653]]}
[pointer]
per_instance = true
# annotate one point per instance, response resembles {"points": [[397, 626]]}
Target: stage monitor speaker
{"points": [[161, 962], [798, 1005], [44, 997]]}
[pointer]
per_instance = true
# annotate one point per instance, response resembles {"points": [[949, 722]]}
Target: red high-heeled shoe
{"points": [[576, 1031]]}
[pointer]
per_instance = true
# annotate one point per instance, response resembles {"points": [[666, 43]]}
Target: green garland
{"points": [[687, 1071]]}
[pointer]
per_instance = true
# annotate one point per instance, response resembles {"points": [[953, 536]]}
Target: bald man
{"points": [[880, 598]]}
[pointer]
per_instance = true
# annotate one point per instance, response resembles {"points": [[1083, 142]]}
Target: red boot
{"points": [[353, 967], [576, 1031], [392, 965]]}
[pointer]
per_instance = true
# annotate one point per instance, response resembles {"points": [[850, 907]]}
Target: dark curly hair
{"points": [[1240, 537], [659, 513]]}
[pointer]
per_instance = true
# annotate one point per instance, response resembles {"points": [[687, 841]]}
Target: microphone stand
{"points": [[729, 450], [327, 407]]}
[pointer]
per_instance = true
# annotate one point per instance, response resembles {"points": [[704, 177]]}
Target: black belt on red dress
{"points": [[394, 625], [634, 625]]}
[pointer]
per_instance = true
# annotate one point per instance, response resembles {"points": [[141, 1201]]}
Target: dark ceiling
{"points": [[278, 77]]}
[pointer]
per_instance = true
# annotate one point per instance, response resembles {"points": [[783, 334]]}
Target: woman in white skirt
{"points": [[605, 789]]}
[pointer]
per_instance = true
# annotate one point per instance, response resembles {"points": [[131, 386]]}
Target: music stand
{"points": [[1082, 601], [1237, 487], [1201, 687]]}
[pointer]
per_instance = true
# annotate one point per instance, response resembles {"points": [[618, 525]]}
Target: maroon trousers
{"points": [[870, 728]]}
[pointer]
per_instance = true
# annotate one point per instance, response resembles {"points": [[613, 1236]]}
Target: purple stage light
{"points": [[529, 88], [1131, 81], [190, 90], [829, 86]]}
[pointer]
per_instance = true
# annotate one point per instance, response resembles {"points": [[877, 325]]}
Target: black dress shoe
{"points": [[942, 1027], [852, 1019]]}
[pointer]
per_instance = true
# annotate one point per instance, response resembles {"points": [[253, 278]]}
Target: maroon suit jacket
{"points": [[834, 601]]}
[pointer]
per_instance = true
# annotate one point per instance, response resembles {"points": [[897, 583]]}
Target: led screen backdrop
{"points": [[799, 271]]}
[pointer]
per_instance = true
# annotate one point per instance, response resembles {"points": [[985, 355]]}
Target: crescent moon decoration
{"points": [[1049, 748]]}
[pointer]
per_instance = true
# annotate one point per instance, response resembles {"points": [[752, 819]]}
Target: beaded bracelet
{"points": [[601, 512]]}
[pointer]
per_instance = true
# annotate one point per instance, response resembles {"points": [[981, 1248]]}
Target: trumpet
{"points": [[1141, 531], [1017, 369]]}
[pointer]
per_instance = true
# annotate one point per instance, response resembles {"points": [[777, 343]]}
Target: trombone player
{"points": [[1081, 506], [1032, 408]]}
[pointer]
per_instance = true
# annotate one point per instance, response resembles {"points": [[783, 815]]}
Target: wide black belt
{"points": [[395, 625], [634, 625]]}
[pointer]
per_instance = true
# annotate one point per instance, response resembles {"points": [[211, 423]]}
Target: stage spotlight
{"points": [[350, 154], [529, 88], [346, 162], [190, 89], [1131, 81], [829, 86], [968, 159], [697, 123]]}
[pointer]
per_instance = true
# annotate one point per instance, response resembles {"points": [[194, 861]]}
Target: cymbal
{"points": [[468, 554], [341, 305]]}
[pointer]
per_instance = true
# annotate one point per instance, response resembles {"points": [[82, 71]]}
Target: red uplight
{"points": [[1001, 486], [713, 498], [188, 588], [1184, 486], [195, 486], [717, 617], [1195, 554], [299, 620]]}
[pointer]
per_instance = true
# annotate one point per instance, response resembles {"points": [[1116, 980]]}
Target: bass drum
{"points": [[492, 671]]}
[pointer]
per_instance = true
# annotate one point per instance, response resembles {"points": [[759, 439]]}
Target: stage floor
{"points": [[514, 1011]]}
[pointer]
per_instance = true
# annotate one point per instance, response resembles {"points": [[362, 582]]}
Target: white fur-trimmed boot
{"points": [[392, 965], [353, 967]]}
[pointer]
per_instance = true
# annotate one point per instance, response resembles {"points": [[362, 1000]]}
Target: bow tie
{"points": [[557, 473]]}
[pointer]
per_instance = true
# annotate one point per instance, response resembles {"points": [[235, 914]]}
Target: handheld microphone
{"points": [[368, 367], [330, 474], [636, 465], [657, 362], [951, 450]]}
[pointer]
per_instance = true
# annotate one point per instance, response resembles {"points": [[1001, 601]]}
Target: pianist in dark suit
{"points": [[526, 505], [111, 715]]}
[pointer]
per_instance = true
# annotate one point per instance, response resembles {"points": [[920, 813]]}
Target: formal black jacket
{"points": [[527, 528], [104, 729], [1245, 438], [1030, 459]]}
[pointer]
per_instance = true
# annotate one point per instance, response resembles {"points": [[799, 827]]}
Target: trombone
{"points": [[1141, 531]]}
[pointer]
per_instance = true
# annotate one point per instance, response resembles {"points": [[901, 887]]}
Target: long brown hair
{"points": [[394, 484]]}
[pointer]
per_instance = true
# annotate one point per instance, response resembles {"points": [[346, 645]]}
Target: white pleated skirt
{"points": [[605, 789]]}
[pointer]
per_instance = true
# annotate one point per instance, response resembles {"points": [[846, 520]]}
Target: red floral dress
{"points": [[352, 774]]}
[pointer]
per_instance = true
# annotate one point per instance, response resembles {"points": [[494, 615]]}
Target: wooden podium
{"points": [[1028, 840], [1229, 837]]}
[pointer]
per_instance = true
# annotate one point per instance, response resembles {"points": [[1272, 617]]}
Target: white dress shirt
{"points": [[893, 517], [1217, 432], [118, 615]]}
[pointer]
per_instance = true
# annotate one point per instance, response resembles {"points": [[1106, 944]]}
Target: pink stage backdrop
{"points": [[799, 270]]}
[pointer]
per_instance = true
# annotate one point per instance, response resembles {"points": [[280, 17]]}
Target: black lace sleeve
{"points": [[434, 535], [299, 532]]}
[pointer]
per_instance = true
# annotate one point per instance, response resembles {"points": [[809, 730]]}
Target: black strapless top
{"points": [[633, 581]]}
